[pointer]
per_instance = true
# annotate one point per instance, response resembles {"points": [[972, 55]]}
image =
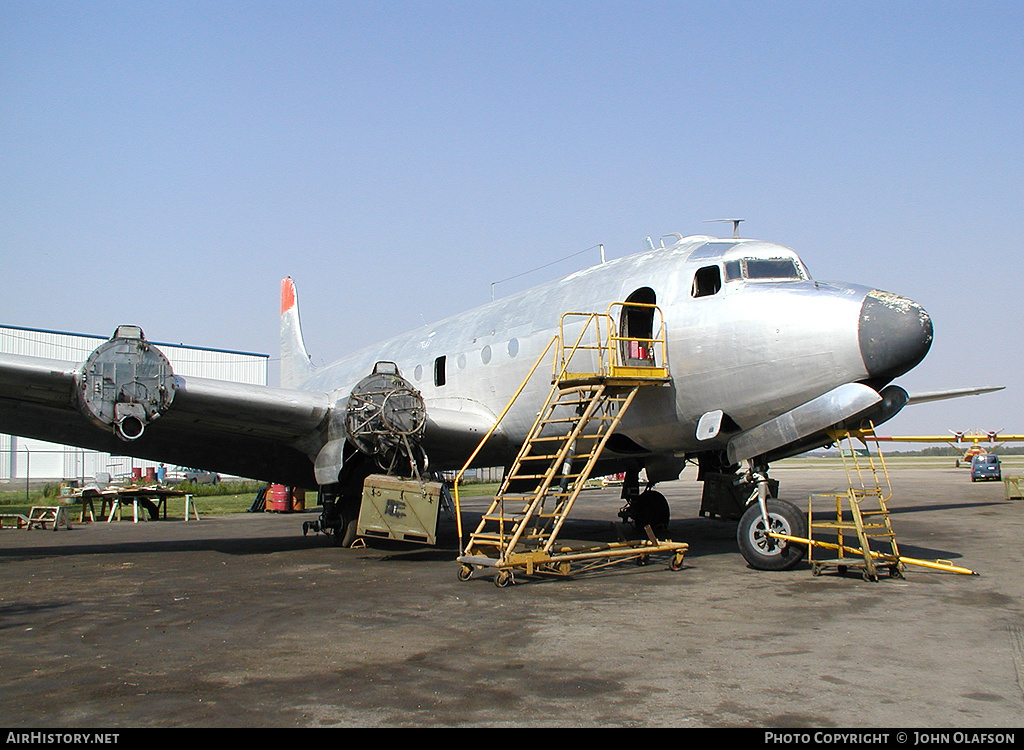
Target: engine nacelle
{"points": [[126, 383], [386, 416]]}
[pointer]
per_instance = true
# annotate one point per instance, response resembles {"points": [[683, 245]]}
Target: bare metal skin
{"points": [[763, 361]]}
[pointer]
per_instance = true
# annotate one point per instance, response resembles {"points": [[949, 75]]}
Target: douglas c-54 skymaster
{"points": [[762, 362]]}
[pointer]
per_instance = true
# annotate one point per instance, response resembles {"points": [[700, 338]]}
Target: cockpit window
{"points": [[762, 268], [706, 281], [776, 268]]}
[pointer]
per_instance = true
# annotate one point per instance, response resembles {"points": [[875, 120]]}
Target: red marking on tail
{"points": [[287, 295]]}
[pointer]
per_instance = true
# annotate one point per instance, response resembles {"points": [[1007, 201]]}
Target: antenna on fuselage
{"points": [[524, 273], [735, 226]]}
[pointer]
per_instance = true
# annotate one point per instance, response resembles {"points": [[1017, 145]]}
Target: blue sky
{"points": [[167, 163]]}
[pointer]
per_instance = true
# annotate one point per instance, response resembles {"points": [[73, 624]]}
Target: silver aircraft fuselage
{"points": [[749, 333]]}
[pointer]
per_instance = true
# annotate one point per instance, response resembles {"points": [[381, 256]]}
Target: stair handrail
{"points": [[657, 340], [489, 434], [591, 318], [863, 433]]}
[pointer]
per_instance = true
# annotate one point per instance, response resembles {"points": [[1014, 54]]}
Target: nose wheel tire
{"points": [[762, 551]]}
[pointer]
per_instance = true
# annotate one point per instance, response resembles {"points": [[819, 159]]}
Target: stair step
{"points": [[515, 518]]}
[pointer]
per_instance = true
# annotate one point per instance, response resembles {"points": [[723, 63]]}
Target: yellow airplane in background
{"points": [[959, 441]]}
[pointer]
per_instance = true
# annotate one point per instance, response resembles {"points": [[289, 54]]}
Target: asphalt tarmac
{"points": [[244, 622]]}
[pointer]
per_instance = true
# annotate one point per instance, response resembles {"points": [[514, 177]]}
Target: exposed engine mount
{"points": [[384, 422], [126, 383], [386, 419]]}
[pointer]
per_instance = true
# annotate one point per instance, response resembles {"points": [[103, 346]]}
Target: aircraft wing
{"points": [[926, 396], [917, 438], [987, 437], [245, 430]]}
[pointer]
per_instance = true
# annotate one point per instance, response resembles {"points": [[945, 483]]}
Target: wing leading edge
{"points": [[926, 396]]}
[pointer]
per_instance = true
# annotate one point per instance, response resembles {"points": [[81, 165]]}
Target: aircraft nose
{"points": [[895, 333]]}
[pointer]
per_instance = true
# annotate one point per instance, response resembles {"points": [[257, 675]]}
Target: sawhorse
{"points": [[18, 520], [41, 515], [190, 507]]}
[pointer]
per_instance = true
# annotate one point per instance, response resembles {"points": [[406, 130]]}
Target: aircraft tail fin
{"points": [[296, 365]]}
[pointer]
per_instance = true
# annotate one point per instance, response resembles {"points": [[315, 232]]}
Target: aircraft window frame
{"points": [[740, 269], [764, 266], [440, 371], [707, 281]]}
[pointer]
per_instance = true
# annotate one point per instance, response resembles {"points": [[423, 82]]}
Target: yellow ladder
{"points": [[865, 516], [866, 512], [520, 528]]}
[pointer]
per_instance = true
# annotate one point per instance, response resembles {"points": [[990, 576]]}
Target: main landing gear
{"points": [[643, 508]]}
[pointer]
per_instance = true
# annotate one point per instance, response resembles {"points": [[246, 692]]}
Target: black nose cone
{"points": [[895, 334]]}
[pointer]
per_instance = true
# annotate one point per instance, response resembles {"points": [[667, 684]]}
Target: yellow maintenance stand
{"points": [[595, 379], [859, 518]]}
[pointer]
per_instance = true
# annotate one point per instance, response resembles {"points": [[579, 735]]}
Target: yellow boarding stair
{"points": [[861, 516], [520, 528]]}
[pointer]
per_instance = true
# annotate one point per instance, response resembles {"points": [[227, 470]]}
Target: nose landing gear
{"points": [[766, 515]]}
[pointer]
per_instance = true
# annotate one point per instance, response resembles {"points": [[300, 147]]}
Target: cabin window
{"points": [[733, 270], [707, 281], [440, 377]]}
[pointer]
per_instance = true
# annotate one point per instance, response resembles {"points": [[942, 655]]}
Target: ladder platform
{"points": [[613, 381]]}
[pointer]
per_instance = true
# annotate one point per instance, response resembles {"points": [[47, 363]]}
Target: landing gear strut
{"points": [[341, 500], [766, 514]]}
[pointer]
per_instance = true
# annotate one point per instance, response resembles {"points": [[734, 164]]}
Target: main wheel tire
{"points": [[763, 552], [650, 508], [345, 534]]}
